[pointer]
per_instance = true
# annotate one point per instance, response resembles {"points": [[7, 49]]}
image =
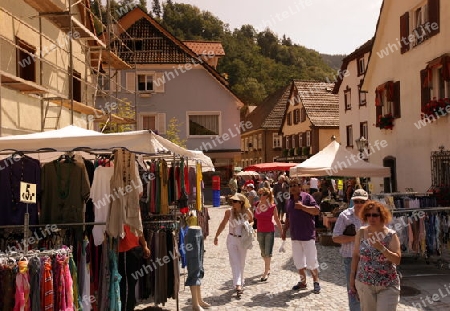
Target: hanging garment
{"points": [[101, 197], [164, 180], [34, 268], [15, 170], [47, 285], [125, 188], [74, 274], [199, 202], [22, 287], [114, 290]]}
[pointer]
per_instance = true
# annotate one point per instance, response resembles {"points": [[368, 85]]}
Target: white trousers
{"points": [[237, 255]]}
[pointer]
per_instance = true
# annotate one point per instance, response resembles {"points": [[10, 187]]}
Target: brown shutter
{"points": [[396, 99], [378, 112], [434, 15], [424, 88], [404, 32], [303, 115]]}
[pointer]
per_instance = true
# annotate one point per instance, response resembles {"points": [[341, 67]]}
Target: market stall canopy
{"points": [[247, 174], [274, 166], [335, 160], [73, 138]]}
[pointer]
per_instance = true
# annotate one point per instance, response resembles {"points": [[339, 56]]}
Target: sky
{"points": [[327, 26]]}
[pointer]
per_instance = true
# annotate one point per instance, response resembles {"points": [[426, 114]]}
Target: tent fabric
{"points": [[274, 166], [335, 160], [73, 138]]}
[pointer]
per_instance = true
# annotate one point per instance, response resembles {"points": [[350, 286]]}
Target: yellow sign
{"points": [[27, 192]]}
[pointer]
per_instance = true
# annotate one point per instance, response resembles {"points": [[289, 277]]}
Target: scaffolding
{"points": [[75, 91]]}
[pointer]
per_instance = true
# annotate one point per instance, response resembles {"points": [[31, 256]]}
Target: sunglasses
{"points": [[359, 201], [372, 215], [236, 201]]}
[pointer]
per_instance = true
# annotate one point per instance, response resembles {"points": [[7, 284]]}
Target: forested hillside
{"points": [[256, 63]]}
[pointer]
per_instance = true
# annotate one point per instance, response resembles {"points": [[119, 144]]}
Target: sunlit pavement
{"points": [[276, 293]]}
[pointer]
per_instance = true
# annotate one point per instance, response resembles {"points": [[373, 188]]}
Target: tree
{"points": [[156, 9], [173, 133]]}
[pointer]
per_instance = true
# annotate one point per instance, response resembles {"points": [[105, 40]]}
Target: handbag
{"points": [[247, 235], [350, 230]]}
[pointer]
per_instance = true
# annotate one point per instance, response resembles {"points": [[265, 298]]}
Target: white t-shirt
{"points": [[314, 183]]}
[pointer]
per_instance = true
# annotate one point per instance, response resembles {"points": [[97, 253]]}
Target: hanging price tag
{"points": [[27, 192]]}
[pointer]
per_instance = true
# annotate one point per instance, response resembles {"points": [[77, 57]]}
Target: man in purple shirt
{"points": [[300, 211]]}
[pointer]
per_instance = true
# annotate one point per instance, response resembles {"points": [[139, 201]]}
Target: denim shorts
{"points": [[266, 240]]}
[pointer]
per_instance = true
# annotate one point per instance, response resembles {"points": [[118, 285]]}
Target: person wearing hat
{"points": [[347, 224], [235, 217], [253, 198]]}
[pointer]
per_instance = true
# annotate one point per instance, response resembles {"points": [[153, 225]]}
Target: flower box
{"points": [[385, 122], [436, 107]]}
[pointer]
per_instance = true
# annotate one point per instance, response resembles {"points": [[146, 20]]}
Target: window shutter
{"points": [[433, 15], [424, 88], [161, 123], [378, 112], [159, 82], [404, 32], [303, 114], [396, 98], [131, 82]]}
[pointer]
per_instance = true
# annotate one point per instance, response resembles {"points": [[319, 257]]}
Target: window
{"points": [[300, 139], [242, 144], [349, 133], [246, 144], [362, 95], [276, 140], [296, 116], [288, 145], [26, 66], [308, 138], [348, 98], [145, 83], [387, 100], [419, 24], [204, 124], [289, 118], [103, 83], [364, 130], [293, 139], [259, 141], [138, 44], [255, 142], [435, 80], [153, 121], [361, 66], [76, 86]]}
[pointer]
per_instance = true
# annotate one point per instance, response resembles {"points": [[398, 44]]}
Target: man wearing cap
{"points": [[344, 234]]}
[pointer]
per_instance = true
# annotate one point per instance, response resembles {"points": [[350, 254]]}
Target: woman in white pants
{"points": [[235, 217]]}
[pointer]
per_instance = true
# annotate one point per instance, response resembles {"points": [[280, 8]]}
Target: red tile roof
{"points": [[206, 47]]}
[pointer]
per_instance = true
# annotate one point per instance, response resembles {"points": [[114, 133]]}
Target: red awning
{"points": [[274, 166]]}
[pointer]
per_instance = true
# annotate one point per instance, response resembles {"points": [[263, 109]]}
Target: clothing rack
{"points": [[430, 209]]}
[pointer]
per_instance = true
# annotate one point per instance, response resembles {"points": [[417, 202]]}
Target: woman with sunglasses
{"points": [[235, 217], [374, 277], [265, 211]]}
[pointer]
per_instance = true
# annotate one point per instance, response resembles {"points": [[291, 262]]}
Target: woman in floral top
{"points": [[374, 276]]}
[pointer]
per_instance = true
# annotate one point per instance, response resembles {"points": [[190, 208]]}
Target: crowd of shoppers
{"points": [[370, 250]]}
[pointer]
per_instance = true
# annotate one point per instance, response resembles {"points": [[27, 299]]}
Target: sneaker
{"points": [[300, 285], [316, 288]]}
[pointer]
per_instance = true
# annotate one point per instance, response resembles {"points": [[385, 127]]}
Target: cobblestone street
{"points": [[276, 293]]}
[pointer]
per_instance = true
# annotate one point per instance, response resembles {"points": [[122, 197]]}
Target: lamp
{"points": [[361, 144]]}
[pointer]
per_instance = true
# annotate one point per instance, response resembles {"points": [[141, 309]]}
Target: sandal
{"points": [[264, 279]]}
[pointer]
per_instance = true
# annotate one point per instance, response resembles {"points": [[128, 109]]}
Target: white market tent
{"points": [[335, 160], [73, 138]]}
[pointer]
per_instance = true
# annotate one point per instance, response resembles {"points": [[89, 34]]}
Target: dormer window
{"points": [[361, 66]]}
